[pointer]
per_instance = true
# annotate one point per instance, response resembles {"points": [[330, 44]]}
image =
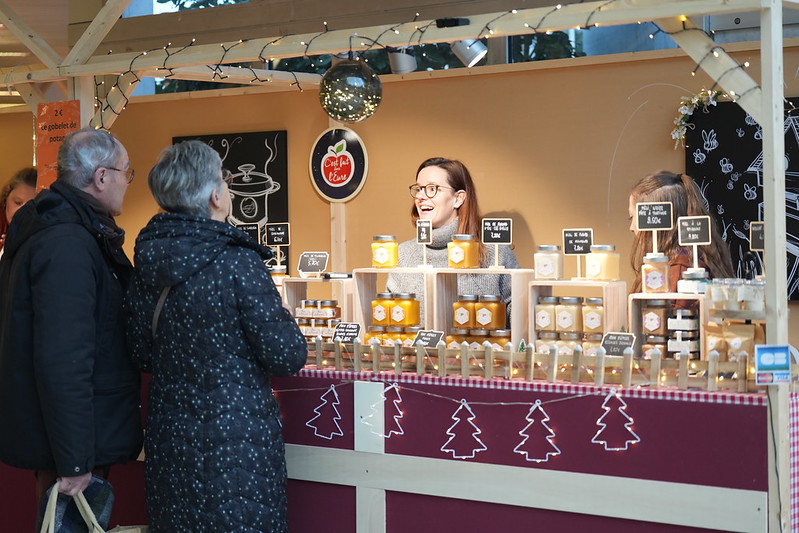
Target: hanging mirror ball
{"points": [[350, 91]]}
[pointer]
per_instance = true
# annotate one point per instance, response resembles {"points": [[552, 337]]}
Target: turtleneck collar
{"points": [[443, 235]]}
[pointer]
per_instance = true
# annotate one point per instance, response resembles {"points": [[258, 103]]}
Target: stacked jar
{"points": [[318, 318], [568, 321], [481, 316], [548, 262], [385, 251], [654, 316], [683, 331], [395, 318]]}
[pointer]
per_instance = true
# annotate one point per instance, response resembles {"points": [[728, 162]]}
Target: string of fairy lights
{"points": [[116, 99]]}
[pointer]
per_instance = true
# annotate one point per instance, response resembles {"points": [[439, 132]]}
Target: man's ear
{"points": [[99, 178], [214, 200]]}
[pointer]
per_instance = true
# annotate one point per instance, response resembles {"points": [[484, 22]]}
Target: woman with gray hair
{"points": [[206, 319]]}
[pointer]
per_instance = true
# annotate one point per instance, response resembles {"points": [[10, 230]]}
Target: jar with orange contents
{"points": [[489, 312], [463, 251], [381, 307], [404, 310], [463, 311]]}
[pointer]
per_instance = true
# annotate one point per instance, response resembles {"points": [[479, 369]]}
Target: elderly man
{"points": [[69, 397]]}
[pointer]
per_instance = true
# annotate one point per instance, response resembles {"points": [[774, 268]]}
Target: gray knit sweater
{"points": [[410, 255]]}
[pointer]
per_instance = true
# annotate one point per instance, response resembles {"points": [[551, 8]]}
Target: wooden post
{"points": [[577, 362], [599, 369], [682, 376], [465, 360], [488, 360], [654, 369], [627, 369], [712, 371], [529, 363], [397, 360], [552, 370], [442, 359]]}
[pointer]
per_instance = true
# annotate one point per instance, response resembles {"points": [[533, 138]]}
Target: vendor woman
{"points": [[444, 193]]}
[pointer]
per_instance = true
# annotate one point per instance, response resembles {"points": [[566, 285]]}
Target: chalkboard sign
{"points": [[313, 262], [577, 241], [497, 230], [347, 331], [757, 241], [277, 234], [694, 230], [253, 230], [654, 216], [424, 231], [429, 338], [616, 343]]}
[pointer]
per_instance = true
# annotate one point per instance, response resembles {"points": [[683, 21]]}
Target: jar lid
{"points": [[413, 329], [567, 336], [404, 296], [684, 313], [303, 321], [755, 282], [694, 275], [655, 339], [593, 301], [384, 295], [686, 335], [308, 303], [467, 297], [479, 331], [656, 303], [549, 335], [547, 299], [463, 237], [594, 337], [384, 238], [549, 247], [458, 331], [500, 333], [656, 258], [394, 329], [603, 247], [333, 322], [490, 298], [570, 300], [277, 269], [328, 303]]}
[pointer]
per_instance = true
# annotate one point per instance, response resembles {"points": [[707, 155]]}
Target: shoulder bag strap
{"points": [[158, 307]]}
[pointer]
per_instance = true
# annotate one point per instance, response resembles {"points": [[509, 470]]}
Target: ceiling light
{"points": [[469, 51]]}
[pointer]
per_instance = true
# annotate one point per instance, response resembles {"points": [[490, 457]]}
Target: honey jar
{"points": [[278, 274], [548, 262], [651, 343], [381, 306], [653, 317], [489, 312], [463, 251], [328, 309], [567, 342], [545, 313], [655, 273], [456, 337], [306, 309], [592, 343], [545, 341], [392, 336], [476, 338], [593, 316], [374, 332], [385, 251], [499, 339], [602, 263], [409, 334], [404, 310], [463, 311], [569, 315]]}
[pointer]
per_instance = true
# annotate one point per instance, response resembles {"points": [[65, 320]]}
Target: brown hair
{"points": [[459, 178], [25, 176], [686, 200]]}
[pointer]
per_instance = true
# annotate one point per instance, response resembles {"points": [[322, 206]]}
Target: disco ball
{"points": [[350, 91]]}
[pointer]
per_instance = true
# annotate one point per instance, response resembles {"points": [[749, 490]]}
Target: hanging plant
{"points": [[688, 104]]}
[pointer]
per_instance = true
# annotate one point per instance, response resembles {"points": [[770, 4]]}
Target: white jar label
{"points": [[565, 320], [651, 321], [454, 345], [408, 342], [475, 346], [543, 348], [543, 319], [593, 267], [545, 267], [736, 343], [655, 279], [592, 320], [462, 316], [397, 313], [381, 255], [379, 313], [484, 316], [456, 254]]}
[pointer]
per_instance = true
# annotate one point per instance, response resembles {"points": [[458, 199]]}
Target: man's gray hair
{"points": [[84, 151], [184, 177]]}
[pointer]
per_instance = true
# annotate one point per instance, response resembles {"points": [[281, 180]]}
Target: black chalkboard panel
{"points": [[724, 154]]}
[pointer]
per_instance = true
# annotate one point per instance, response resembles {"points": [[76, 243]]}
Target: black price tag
{"points": [[497, 230], [757, 240], [654, 216], [429, 338], [616, 343], [577, 241], [277, 234], [694, 230], [347, 331], [424, 231], [313, 262], [253, 230]]}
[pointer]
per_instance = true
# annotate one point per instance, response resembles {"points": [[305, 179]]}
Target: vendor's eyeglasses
{"points": [[227, 176], [429, 190], [129, 173]]}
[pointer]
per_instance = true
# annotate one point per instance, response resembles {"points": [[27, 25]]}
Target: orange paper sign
{"points": [[54, 121]]}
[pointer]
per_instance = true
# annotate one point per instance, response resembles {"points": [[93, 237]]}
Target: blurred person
{"points": [[20, 189]]}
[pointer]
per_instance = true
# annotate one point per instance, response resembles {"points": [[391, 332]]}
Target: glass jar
{"points": [[278, 274], [566, 343], [489, 312], [569, 314], [653, 342], [545, 313], [392, 336], [409, 334], [655, 273], [374, 332], [753, 295], [328, 309], [653, 317], [548, 262], [732, 300], [602, 263], [463, 311], [463, 251], [694, 281], [385, 251], [404, 310], [592, 343], [476, 338], [456, 337], [545, 341], [683, 341], [380, 308], [593, 315], [306, 309], [499, 339], [304, 324]]}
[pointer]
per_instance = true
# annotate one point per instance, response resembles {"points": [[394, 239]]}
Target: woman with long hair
{"points": [[18, 191]]}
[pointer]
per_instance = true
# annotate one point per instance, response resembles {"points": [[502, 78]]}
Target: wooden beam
{"points": [[116, 100], [239, 75], [28, 37], [96, 32]]}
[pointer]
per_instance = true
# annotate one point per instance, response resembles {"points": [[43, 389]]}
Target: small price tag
{"points": [[654, 216], [615, 343], [429, 338], [694, 230], [277, 234], [757, 240], [347, 331], [424, 231], [497, 230], [577, 241], [772, 364], [253, 230], [312, 263]]}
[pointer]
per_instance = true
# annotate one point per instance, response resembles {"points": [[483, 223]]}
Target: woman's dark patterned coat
{"points": [[215, 454]]}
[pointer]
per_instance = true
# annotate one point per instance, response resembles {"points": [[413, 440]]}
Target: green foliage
{"points": [[542, 46], [197, 4]]}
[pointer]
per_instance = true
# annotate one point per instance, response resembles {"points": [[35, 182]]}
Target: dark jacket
{"points": [[214, 447], [69, 396]]}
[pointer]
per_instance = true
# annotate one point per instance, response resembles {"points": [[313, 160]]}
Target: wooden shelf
{"points": [[296, 289]]}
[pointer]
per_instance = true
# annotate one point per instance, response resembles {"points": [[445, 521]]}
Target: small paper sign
{"points": [[429, 338], [772, 364], [654, 216], [757, 240], [424, 231], [497, 230], [615, 343], [277, 234], [347, 331], [577, 241], [694, 230], [253, 230], [313, 262]]}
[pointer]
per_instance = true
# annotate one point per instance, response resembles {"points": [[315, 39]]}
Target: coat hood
{"points": [[173, 247]]}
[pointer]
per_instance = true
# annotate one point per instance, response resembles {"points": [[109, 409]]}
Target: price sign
{"points": [[347, 331], [277, 234], [577, 241], [757, 240], [772, 364], [253, 230], [313, 262], [497, 230], [654, 216], [429, 338], [424, 231], [694, 230], [616, 343]]}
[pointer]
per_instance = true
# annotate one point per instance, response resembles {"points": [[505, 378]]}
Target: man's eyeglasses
{"points": [[129, 173], [227, 176], [429, 190]]}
